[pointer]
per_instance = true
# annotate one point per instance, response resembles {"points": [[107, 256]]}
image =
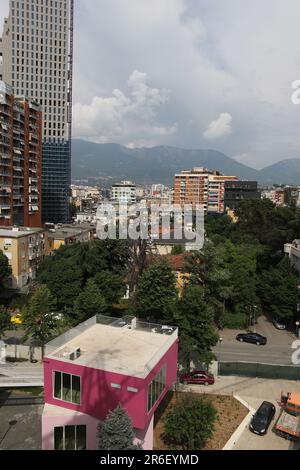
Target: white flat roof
{"points": [[18, 233], [122, 350]]}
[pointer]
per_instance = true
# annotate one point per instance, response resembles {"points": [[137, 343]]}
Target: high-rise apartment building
{"points": [[20, 160], [201, 186], [36, 59], [124, 193]]}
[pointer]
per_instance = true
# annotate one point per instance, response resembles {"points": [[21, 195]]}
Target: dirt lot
{"points": [[230, 414]]}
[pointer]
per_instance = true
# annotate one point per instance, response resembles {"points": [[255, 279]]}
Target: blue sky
{"points": [[189, 73]]}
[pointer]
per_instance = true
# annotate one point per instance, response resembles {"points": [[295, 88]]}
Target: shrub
{"points": [[190, 423]]}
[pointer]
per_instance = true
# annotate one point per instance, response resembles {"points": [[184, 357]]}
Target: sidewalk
{"points": [[21, 374], [254, 391]]}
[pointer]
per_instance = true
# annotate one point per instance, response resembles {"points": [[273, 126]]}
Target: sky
{"points": [[212, 74]]}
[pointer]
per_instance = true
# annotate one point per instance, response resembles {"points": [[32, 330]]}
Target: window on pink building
{"points": [[70, 438], [156, 387], [67, 387]]}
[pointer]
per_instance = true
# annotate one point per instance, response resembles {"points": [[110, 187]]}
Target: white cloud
{"points": [[219, 128], [128, 119], [212, 55]]}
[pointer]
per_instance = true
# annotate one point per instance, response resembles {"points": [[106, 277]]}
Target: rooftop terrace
{"points": [[125, 346]]}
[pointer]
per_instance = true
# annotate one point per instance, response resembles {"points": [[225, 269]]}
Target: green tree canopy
{"points": [[116, 432], [39, 320], [227, 273], [190, 423], [177, 250], [278, 289], [66, 272], [156, 293], [89, 302], [4, 321], [5, 271], [197, 333], [112, 286]]}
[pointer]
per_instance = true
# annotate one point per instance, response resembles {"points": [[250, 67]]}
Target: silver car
{"points": [[278, 324]]}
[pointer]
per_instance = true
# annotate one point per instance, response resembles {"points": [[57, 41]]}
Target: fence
{"points": [[20, 351], [265, 371]]}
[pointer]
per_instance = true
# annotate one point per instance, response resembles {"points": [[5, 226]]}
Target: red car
{"points": [[199, 377]]}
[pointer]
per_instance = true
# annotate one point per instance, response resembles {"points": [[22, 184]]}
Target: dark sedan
{"points": [[253, 338], [262, 418]]}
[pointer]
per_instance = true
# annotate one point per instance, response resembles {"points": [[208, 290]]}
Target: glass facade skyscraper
{"points": [[36, 59]]}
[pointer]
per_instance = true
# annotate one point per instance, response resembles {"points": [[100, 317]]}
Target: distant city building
{"points": [[20, 157], [36, 59], [86, 198], [236, 191], [293, 251], [124, 193], [283, 195], [98, 365], [59, 235], [86, 217], [201, 186], [24, 248]]}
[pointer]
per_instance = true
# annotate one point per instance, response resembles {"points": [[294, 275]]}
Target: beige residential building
{"points": [[61, 235], [24, 248]]}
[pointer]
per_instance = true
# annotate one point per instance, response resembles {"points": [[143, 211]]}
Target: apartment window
{"points": [[67, 387], [70, 438], [156, 388]]}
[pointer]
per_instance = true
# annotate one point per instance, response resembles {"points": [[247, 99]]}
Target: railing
{"points": [[127, 322]]}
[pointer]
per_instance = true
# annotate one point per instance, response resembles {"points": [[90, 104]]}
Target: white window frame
{"points": [[163, 373], [53, 387]]}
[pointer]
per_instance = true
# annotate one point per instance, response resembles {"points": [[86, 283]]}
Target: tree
{"points": [[5, 271], [227, 273], [68, 270], [197, 333], [111, 285], [190, 423], [4, 321], [156, 292], [38, 319], [177, 250], [63, 276], [278, 289], [89, 302], [116, 432], [268, 225]]}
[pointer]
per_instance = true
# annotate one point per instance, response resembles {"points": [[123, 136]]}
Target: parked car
{"points": [[262, 418], [199, 377], [279, 324], [253, 338]]}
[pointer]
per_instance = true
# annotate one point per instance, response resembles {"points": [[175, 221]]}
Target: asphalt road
{"points": [[277, 351]]}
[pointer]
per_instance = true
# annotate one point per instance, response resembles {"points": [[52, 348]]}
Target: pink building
{"points": [[99, 364]]}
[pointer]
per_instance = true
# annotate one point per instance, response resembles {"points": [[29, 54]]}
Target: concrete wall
{"points": [[49, 422], [21, 351]]}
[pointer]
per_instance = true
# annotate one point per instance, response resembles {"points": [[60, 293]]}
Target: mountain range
{"points": [[108, 163]]}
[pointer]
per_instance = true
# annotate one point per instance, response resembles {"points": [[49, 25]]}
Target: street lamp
{"points": [[10, 425], [220, 344], [297, 329]]}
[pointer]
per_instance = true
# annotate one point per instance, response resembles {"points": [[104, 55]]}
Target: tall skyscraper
{"points": [[36, 59]]}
